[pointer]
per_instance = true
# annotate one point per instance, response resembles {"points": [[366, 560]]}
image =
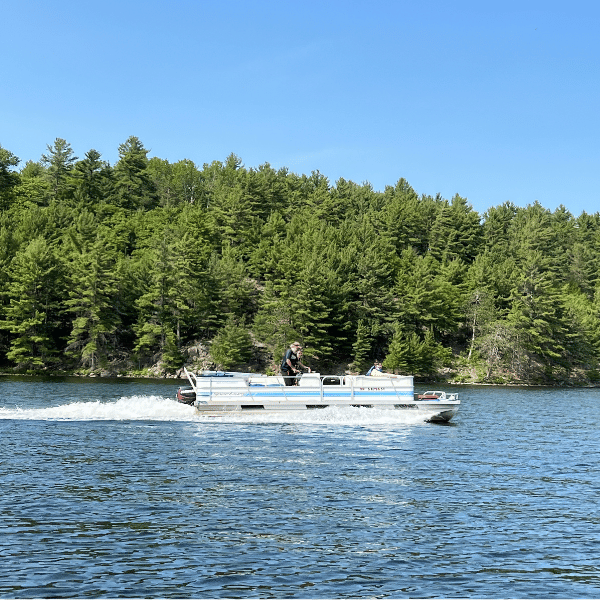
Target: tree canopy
{"points": [[137, 262]]}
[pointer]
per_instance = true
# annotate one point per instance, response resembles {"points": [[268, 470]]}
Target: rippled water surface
{"points": [[112, 489]]}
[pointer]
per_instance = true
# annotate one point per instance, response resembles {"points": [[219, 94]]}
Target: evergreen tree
{"points": [[9, 179], [367, 270], [480, 310], [456, 232], [497, 223], [580, 314], [158, 305], [133, 185], [90, 176], [361, 349], [235, 221], [59, 164], [274, 325], [468, 231], [8, 248], [197, 289], [263, 262], [405, 221], [34, 188], [563, 237], [232, 346], [430, 296], [31, 312], [187, 182], [235, 294], [91, 300], [585, 256], [537, 317], [409, 354], [312, 313]]}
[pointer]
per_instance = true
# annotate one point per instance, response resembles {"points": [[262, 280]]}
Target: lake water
{"points": [[112, 489]]}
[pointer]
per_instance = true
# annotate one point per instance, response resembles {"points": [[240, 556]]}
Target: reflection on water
{"points": [[114, 490]]}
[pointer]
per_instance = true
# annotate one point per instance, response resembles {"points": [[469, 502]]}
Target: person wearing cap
{"points": [[290, 363]]}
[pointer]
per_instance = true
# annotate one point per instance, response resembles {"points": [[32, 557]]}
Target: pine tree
{"points": [[361, 349], [409, 354], [480, 310], [407, 218], [158, 303], [497, 223], [234, 293], [92, 293], [8, 248], [32, 307], [59, 164], [311, 312], [263, 262], [274, 324], [232, 346], [537, 317], [367, 269], [133, 185], [9, 179], [197, 290], [430, 295], [89, 176]]}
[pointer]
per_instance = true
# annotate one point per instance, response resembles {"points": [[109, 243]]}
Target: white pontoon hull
{"points": [[216, 396]]}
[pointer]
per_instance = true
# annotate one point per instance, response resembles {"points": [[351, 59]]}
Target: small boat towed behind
{"points": [[215, 393]]}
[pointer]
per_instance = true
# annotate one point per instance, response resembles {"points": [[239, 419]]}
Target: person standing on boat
{"points": [[300, 354], [290, 363]]}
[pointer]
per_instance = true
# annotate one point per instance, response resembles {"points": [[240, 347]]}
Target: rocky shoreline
{"points": [[444, 376]]}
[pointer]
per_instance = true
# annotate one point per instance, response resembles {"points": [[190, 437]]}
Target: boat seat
{"points": [[310, 380]]}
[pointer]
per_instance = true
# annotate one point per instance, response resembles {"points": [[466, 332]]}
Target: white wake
{"points": [[134, 408], [157, 408]]}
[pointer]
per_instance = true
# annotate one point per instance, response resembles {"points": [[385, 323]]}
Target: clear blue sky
{"points": [[494, 100]]}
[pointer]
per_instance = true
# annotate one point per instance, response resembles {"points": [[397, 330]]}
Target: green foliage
{"points": [[93, 180], [9, 179], [232, 346], [134, 187], [99, 264], [273, 325], [409, 354], [32, 305], [92, 289], [172, 357], [59, 163], [361, 348]]}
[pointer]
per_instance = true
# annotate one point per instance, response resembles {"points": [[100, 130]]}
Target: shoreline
{"points": [[177, 377]]}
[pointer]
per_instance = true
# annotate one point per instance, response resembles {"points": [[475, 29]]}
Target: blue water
{"points": [[111, 489]]}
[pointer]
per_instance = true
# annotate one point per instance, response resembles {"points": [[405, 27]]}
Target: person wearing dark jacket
{"points": [[290, 363]]}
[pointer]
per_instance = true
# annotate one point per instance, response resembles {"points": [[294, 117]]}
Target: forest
{"points": [[143, 266]]}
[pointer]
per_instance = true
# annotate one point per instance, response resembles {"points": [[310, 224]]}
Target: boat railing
{"points": [[192, 379], [251, 384], [401, 385]]}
